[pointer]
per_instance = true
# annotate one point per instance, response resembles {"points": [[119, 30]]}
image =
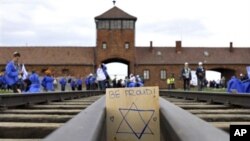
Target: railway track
{"points": [[220, 115], [33, 122], [34, 119]]}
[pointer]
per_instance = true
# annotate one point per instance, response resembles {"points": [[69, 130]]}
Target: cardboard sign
{"points": [[132, 114]]}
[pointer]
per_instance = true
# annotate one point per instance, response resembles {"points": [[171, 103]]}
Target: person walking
{"points": [[186, 76]]}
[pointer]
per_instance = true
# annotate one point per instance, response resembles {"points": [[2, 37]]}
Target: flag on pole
{"points": [[248, 71], [25, 73]]}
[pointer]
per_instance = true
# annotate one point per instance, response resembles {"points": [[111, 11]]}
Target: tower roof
{"points": [[115, 13]]}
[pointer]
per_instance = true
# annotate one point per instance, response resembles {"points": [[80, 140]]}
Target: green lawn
{"points": [[4, 92], [222, 90]]}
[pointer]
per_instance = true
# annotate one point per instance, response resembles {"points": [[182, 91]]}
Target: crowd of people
{"points": [[102, 80], [14, 77], [240, 84]]}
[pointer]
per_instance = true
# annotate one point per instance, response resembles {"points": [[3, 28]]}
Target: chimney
{"points": [[231, 47], [178, 46], [151, 46]]}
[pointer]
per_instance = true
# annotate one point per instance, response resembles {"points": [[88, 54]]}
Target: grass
{"points": [[194, 89], [5, 92]]}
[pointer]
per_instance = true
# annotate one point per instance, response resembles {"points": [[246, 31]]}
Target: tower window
{"points": [[104, 45], [115, 24], [127, 24], [126, 45], [103, 24]]}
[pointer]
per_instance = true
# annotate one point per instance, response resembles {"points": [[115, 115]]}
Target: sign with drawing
{"points": [[132, 114]]}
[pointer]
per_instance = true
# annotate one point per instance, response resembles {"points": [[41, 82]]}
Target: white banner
{"points": [[248, 71], [25, 73]]}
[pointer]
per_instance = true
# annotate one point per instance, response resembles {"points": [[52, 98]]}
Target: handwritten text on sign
{"points": [[133, 114]]}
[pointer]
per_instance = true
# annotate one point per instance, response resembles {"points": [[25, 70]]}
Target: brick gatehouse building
{"points": [[115, 42]]}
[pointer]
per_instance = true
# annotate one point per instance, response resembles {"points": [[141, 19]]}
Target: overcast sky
{"points": [[209, 23]]}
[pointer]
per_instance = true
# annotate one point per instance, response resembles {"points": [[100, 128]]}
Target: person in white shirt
{"points": [[101, 78]]}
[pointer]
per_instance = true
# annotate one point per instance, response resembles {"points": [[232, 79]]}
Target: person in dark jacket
{"points": [[200, 73], [73, 84], [186, 76]]}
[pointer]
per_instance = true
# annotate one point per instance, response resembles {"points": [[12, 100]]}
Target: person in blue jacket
{"points": [[47, 81], [79, 84], [12, 71], [86, 81], [35, 82], [105, 71], [234, 85], [92, 83], [246, 86], [3, 84], [63, 83], [73, 84]]}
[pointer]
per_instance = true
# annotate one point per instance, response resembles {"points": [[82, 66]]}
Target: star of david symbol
{"points": [[135, 121]]}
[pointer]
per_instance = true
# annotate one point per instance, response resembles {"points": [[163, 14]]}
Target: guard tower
{"points": [[115, 41]]}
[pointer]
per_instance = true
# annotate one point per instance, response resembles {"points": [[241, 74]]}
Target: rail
{"points": [[176, 125], [180, 125], [88, 125], [9, 100], [223, 98]]}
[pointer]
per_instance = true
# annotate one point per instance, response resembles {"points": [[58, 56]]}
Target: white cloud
{"points": [[71, 22]]}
